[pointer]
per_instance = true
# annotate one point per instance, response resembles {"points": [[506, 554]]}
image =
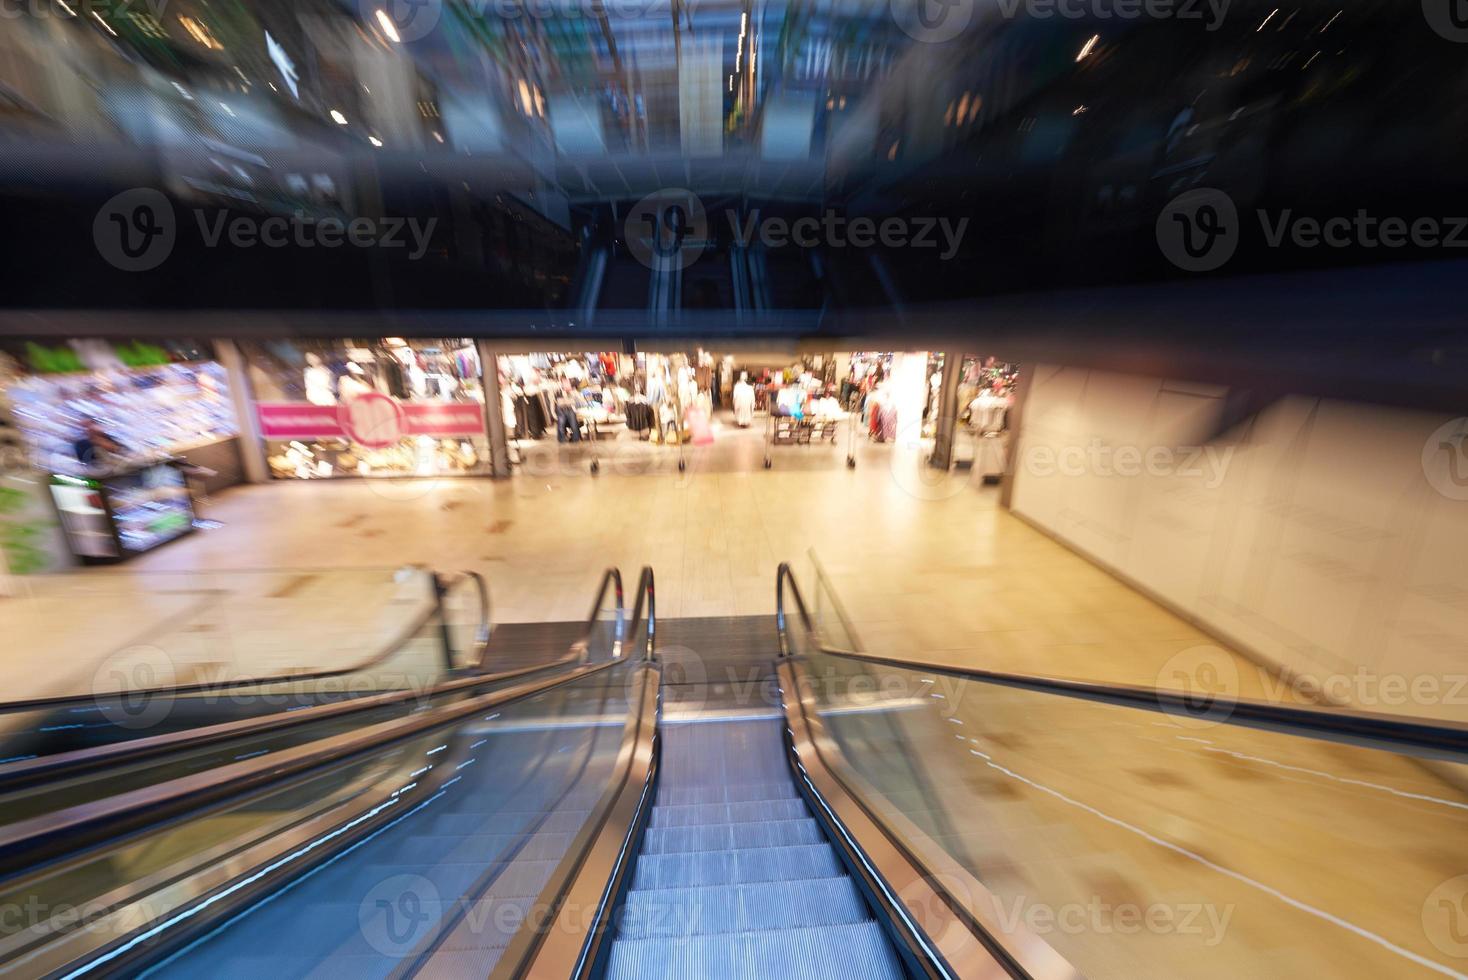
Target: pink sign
{"points": [[373, 420]]}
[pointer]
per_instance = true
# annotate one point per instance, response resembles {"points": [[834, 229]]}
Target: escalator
{"points": [[755, 797], [735, 876], [143, 690]]}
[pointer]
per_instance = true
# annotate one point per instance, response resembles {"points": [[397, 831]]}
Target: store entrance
{"points": [[706, 410]]}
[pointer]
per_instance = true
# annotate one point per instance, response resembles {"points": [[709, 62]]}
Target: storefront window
{"points": [[370, 408], [147, 414]]}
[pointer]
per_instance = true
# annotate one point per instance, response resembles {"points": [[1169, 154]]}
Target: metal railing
{"points": [[647, 602], [1433, 739]]}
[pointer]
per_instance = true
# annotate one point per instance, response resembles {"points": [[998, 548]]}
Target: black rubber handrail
{"points": [[440, 586], [611, 578], [785, 577], [36, 841], [25, 772], [42, 838], [1431, 739], [647, 602]]}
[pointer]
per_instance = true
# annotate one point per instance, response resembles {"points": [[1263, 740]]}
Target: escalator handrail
{"points": [[379, 655], [1397, 733], [785, 578], [611, 578], [647, 602], [607, 838], [27, 772], [900, 852], [30, 842], [484, 629]]}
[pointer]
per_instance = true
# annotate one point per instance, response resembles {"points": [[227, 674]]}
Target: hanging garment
{"points": [[744, 404]]}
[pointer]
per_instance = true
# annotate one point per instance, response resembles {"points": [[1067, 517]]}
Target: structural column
{"points": [[947, 408], [252, 447], [1014, 423], [494, 415]]}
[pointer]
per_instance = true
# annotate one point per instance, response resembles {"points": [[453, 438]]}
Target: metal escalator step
{"points": [[434, 848], [695, 814], [837, 952], [732, 836], [740, 908], [736, 867], [673, 793]]}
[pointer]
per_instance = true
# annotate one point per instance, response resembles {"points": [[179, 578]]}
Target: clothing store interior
{"points": [[665, 400]]}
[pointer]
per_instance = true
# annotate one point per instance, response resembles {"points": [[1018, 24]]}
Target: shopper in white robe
{"points": [[743, 401]]}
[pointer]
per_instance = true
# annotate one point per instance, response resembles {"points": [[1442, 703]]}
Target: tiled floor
{"points": [[928, 566], [1308, 847]]}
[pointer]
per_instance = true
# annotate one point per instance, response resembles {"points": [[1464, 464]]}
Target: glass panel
{"points": [[466, 617], [1138, 843], [371, 630], [488, 808], [607, 627], [380, 408]]}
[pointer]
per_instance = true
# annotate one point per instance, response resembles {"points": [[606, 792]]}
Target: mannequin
{"points": [[318, 382], [743, 401]]}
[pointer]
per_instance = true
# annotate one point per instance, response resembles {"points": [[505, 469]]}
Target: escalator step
{"points": [[838, 952], [740, 908], [732, 836], [673, 793], [431, 848], [736, 867], [697, 814]]}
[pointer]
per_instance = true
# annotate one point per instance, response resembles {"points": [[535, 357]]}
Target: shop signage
{"points": [[373, 420]]}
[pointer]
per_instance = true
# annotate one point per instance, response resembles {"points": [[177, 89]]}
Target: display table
{"points": [[110, 516]]}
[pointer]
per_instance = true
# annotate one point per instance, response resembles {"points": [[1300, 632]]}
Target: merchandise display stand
{"points": [[593, 435], [785, 430]]}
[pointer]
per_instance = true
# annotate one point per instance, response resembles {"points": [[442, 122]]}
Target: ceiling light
{"points": [[388, 28], [336, 114]]}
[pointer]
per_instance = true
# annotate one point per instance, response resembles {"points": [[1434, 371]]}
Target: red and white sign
{"points": [[373, 420]]}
